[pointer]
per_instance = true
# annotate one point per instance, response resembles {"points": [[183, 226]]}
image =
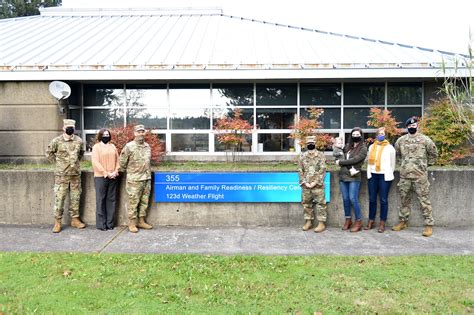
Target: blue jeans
{"points": [[378, 185], [350, 196]]}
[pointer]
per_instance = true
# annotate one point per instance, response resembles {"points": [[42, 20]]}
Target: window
{"points": [[276, 94], [275, 142], [190, 142], [190, 95], [246, 145], [276, 118], [404, 93], [364, 94], [230, 95], [356, 117], [104, 95], [401, 114], [321, 94], [103, 118], [330, 119]]}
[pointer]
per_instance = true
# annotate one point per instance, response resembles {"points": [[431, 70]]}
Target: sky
{"points": [[436, 24]]}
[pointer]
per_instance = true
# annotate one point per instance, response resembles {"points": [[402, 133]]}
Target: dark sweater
{"points": [[356, 159]]}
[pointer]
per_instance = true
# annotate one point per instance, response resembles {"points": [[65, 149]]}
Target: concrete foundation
{"points": [[27, 198]]}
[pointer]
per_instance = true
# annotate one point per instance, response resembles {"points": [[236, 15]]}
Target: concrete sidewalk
{"points": [[237, 240]]}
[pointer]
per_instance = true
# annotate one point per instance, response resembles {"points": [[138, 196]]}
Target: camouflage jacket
{"points": [[312, 168], [135, 159], [416, 152], [66, 154]]}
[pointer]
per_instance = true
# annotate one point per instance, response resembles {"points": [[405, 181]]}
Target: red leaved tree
{"points": [[308, 127], [122, 135], [231, 131], [383, 118]]}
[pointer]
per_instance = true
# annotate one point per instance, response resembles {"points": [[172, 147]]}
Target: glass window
{"points": [[320, 94], [154, 118], [356, 117], [330, 119], [275, 142], [190, 142], [364, 94], [401, 114], [76, 115], [90, 141], [190, 118], [404, 94], [276, 94], [246, 114], [275, 118], [104, 95], [146, 95], [229, 95], [190, 95], [246, 145], [103, 118]]}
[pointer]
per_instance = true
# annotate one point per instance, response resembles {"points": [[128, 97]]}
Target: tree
{"points": [[17, 8], [308, 127], [383, 118], [231, 131]]}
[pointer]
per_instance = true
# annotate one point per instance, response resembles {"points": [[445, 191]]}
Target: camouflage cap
{"points": [[310, 139], [69, 123], [411, 120], [139, 127]]}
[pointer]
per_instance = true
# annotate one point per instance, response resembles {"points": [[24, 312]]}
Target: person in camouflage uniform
{"points": [[312, 169], [66, 151], [416, 151], [135, 159]]}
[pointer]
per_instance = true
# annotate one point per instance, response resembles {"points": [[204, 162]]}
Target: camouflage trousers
{"points": [[62, 185], [138, 197], [421, 187], [309, 197]]}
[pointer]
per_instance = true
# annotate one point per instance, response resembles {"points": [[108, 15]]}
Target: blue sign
{"points": [[230, 187]]}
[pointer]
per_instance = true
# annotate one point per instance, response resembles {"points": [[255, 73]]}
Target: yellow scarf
{"points": [[376, 160]]}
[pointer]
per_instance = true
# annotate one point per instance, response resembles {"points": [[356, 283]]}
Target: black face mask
{"points": [[311, 147], [412, 130], [69, 130], [356, 139], [105, 139]]}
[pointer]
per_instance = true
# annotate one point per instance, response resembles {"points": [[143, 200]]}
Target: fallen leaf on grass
{"points": [[67, 273]]}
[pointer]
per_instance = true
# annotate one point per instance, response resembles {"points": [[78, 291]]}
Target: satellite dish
{"points": [[59, 90]]}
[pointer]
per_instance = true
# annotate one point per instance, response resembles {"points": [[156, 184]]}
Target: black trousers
{"points": [[105, 197]]}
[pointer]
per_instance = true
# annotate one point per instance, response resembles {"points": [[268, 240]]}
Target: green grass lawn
{"points": [[178, 284]]}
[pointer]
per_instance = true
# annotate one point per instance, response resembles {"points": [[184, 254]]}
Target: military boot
{"points": [[143, 225], [321, 227], [427, 231], [400, 226], [76, 222], [132, 226], [57, 226], [307, 225]]}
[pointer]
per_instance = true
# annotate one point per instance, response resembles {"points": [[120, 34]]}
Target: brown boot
{"points": [[400, 226], [57, 226], [370, 225], [427, 231], [347, 224], [321, 227], [308, 224], [143, 225], [76, 222], [381, 227], [357, 226], [132, 226]]}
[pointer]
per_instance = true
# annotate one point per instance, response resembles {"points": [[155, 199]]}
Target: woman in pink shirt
{"points": [[105, 163]]}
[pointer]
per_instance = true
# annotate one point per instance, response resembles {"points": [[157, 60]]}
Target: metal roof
{"points": [[144, 44]]}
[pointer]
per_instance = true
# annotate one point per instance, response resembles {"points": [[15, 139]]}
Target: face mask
{"points": [[140, 138], [412, 130], [311, 147], [381, 138], [69, 130], [356, 139], [105, 139]]}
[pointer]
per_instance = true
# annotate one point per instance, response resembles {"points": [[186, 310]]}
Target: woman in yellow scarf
{"points": [[380, 167]]}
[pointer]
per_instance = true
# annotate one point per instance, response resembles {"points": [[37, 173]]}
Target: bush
{"points": [[383, 118], [308, 127], [122, 135], [441, 124]]}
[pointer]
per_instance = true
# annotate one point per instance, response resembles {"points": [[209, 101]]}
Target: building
{"points": [[178, 71]]}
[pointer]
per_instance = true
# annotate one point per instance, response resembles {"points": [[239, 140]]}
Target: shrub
{"points": [[122, 135], [442, 125], [308, 127]]}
